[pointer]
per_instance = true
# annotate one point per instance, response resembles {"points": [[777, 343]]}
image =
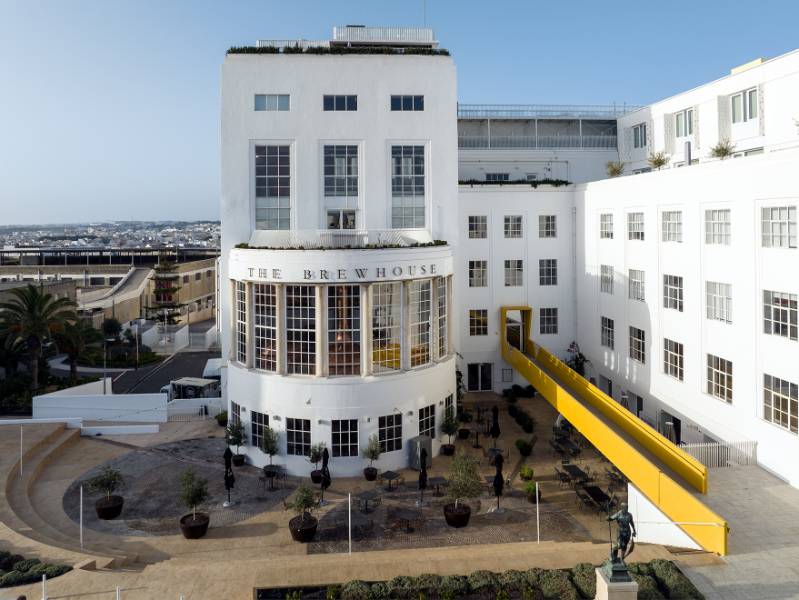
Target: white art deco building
{"points": [[343, 317]]}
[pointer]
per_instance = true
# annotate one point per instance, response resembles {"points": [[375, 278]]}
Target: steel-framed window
{"points": [[548, 271], [547, 226], [389, 432], [606, 226], [548, 321], [420, 321], [718, 226], [272, 102], [672, 225], [298, 437], [672, 292], [407, 186], [636, 285], [478, 321], [344, 437], [635, 226], [386, 332], [339, 102], [719, 378], [673, 358], [497, 177], [779, 226], [344, 329], [638, 344], [265, 326], [478, 273], [513, 226], [781, 403], [301, 329], [780, 314], [606, 279], [743, 106], [443, 338], [235, 413], [478, 226], [241, 322], [273, 187], [639, 136], [407, 103], [719, 301], [608, 333], [514, 273], [258, 424], [684, 123], [427, 421], [340, 170]]}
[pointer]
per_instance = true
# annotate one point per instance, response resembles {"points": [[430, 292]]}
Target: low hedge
{"points": [[17, 570]]}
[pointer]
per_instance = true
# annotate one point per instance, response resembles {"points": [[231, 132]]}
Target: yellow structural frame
{"points": [[692, 516]]}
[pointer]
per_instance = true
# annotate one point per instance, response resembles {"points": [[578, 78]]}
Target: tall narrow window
{"points": [[344, 329], [449, 406], [638, 344], [719, 301], [684, 123], [636, 285], [547, 226], [241, 322], [781, 403], [389, 431], [427, 421], [344, 437], [779, 314], [420, 313], [672, 226], [265, 326], [407, 186], [606, 226], [639, 136], [513, 226], [341, 171], [608, 333], [673, 358], [478, 226], [258, 423], [301, 330], [272, 187], [672, 292], [478, 273], [717, 226], [386, 334], [548, 271], [635, 226], [298, 437], [514, 273], [606, 279], [779, 226], [719, 378], [235, 413], [443, 338]]}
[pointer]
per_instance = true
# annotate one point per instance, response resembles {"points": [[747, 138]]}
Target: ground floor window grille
{"points": [[781, 403], [427, 421], [390, 433], [298, 437], [345, 437], [258, 423]]}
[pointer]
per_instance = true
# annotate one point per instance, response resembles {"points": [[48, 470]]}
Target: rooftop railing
{"points": [[292, 44], [592, 142], [316, 239], [544, 111], [384, 35]]}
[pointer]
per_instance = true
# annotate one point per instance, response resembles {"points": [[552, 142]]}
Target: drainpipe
{"points": [[687, 153]]}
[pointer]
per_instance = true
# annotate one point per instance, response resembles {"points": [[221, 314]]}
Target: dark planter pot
{"points": [[531, 497], [194, 529], [316, 476], [222, 422], [109, 508], [238, 460], [303, 530], [447, 449], [463, 434], [457, 517], [370, 473]]}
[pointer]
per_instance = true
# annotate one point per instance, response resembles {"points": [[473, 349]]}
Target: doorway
{"points": [[478, 377]]}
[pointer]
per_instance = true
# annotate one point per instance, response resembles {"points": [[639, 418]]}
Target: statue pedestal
{"points": [[614, 590]]}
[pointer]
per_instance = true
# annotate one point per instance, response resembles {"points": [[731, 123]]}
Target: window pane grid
{"points": [[298, 437], [547, 226], [548, 321], [344, 329], [301, 329], [719, 378], [638, 344], [608, 333], [272, 102], [548, 271], [636, 285], [427, 421], [673, 359], [443, 338], [386, 333], [513, 226], [478, 226], [779, 226], [635, 226], [478, 273], [407, 186], [514, 273], [344, 437], [478, 321], [407, 103], [272, 187], [719, 301], [241, 322], [672, 226], [606, 226], [339, 103], [672, 292], [258, 423], [265, 326], [780, 314], [717, 227], [420, 316], [341, 171], [606, 279], [389, 433], [781, 403]]}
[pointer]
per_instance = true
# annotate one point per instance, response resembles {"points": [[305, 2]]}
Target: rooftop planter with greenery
{"points": [[338, 50], [533, 184], [246, 246]]}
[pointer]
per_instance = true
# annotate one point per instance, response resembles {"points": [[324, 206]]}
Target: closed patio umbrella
{"points": [[495, 424], [230, 479], [422, 476], [326, 479], [499, 479]]}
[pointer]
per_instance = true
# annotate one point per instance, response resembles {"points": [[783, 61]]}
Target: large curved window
{"points": [[241, 321], [386, 331], [344, 329], [420, 316], [265, 309], [301, 329], [443, 342]]}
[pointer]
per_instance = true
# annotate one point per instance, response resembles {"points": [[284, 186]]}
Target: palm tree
{"points": [[72, 341], [12, 351], [32, 317]]}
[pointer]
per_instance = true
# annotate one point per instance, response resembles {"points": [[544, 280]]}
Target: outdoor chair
{"points": [[584, 500], [563, 478]]}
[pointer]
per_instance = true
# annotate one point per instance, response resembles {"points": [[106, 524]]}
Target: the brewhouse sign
{"points": [[367, 273]]}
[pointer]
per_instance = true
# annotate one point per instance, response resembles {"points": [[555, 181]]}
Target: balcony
{"points": [[548, 142], [544, 111], [324, 239]]}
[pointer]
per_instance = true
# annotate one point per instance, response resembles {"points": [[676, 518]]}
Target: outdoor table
{"points": [[597, 495], [569, 446], [575, 472], [390, 476], [437, 481], [366, 496], [476, 432], [270, 472], [405, 515]]}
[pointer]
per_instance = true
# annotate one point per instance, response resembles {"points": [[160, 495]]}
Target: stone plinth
{"points": [[614, 590]]}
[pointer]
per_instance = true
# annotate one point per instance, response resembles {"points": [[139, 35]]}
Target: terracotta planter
{"points": [[370, 473], [238, 460], [447, 449], [463, 434], [316, 476], [194, 528], [303, 530], [109, 507], [457, 517]]}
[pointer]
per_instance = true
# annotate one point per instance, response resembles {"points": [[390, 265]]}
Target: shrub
{"points": [[524, 447], [333, 592], [724, 149], [584, 579], [530, 489], [303, 502], [403, 586], [556, 585], [428, 582], [673, 581], [658, 160], [614, 168], [107, 481], [482, 582], [355, 590], [529, 391], [648, 587], [517, 390], [513, 581], [269, 443], [234, 434], [379, 591], [513, 410], [526, 472], [8, 560], [502, 595], [532, 593], [453, 586], [221, 418], [24, 566], [449, 427]]}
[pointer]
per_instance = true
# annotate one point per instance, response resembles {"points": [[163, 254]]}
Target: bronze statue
{"points": [[624, 546]]}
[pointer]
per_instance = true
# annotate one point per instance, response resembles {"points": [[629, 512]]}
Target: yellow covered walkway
{"points": [[652, 463]]}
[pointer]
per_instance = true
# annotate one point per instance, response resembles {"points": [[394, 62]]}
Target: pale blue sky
{"points": [[109, 108]]}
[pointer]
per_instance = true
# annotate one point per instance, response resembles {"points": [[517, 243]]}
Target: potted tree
{"points": [[234, 436], [193, 491], [107, 482], [724, 149], [315, 457], [529, 491], [464, 482], [303, 526], [269, 443], [221, 418], [449, 428], [614, 168], [372, 452], [464, 416]]}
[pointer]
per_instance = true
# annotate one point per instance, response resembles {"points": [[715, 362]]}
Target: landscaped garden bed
{"points": [[17, 570], [656, 579]]}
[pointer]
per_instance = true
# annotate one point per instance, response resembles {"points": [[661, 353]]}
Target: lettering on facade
{"points": [[397, 271]]}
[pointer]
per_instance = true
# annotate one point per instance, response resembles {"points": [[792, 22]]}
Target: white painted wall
{"points": [[654, 527], [577, 166], [148, 408]]}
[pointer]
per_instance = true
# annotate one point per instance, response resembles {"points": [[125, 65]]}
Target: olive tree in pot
{"points": [[449, 428], [107, 482], [221, 418], [464, 482], [372, 452], [303, 526], [234, 436], [315, 457], [193, 492], [269, 443]]}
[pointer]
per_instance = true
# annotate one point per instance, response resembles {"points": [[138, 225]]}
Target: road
{"points": [[152, 379]]}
